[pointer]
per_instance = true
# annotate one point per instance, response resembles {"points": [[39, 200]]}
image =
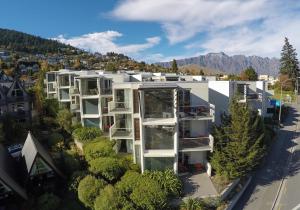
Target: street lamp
{"points": [[279, 115]]}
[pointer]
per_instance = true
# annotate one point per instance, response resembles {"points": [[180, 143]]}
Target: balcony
{"points": [[75, 107], [74, 91], [191, 144], [106, 91], [118, 107], [90, 92], [200, 112], [120, 133]]}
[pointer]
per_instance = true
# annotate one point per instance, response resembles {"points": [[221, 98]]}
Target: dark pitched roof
{"points": [[31, 149], [7, 173]]}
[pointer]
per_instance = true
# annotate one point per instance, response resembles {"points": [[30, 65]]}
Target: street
{"points": [[276, 185]]}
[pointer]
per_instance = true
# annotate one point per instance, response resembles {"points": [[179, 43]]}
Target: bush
{"points": [[128, 182], [111, 199], [86, 134], [55, 141], [127, 162], [107, 167], [51, 107], [88, 189], [148, 195], [192, 204], [48, 201], [101, 147], [76, 177], [167, 180]]}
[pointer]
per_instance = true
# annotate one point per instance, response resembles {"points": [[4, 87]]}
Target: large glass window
{"points": [[159, 163], [159, 137], [159, 103], [64, 80], [64, 94], [51, 77], [90, 106], [89, 86]]}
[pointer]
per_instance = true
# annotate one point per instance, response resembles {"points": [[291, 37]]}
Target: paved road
{"points": [[262, 191]]}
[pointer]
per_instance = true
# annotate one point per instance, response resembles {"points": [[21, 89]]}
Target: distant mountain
{"points": [[21, 42], [230, 64]]}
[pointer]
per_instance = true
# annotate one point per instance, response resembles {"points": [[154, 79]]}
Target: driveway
{"points": [[198, 185]]}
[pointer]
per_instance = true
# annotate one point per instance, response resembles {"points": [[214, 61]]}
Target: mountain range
{"points": [[230, 64]]}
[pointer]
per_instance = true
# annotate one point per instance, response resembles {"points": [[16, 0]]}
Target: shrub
{"points": [[192, 204], [128, 182], [109, 168], [148, 195], [111, 199], [167, 180], [51, 107], [55, 141], [101, 147], [86, 134], [88, 189], [64, 119], [48, 201], [76, 177], [127, 162]]}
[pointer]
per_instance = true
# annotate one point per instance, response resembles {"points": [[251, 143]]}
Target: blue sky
{"points": [[156, 30]]}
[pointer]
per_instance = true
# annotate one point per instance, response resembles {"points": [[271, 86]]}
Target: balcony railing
{"points": [[120, 132], [90, 92], [196, 143], [75, 107], [106, 91], [118, 106], [74, 90], [249, 96], [196, 112]]}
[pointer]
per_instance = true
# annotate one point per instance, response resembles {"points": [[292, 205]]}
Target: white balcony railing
{"points": [[118, 106], [202, 143], [120, 132], [196, 112]]}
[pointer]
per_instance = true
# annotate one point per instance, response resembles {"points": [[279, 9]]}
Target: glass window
{"points": [[90, 106], [159, 137], [159, 163], [91, 122], [159, 103]]}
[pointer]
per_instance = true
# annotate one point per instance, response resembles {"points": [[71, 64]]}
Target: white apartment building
{"points": [[163, 120]]}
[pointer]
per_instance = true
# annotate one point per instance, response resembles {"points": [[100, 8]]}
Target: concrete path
{"points": [[266, 182], [198, 185]]}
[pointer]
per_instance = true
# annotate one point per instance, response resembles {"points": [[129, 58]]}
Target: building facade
{"points": [[163, 120]]}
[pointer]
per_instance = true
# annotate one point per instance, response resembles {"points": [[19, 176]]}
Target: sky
{"points": [[160, 30]]}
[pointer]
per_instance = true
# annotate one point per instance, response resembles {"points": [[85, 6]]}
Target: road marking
{"points": [[296, 207]]}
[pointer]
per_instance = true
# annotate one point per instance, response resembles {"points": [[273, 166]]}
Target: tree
{"points": [[86, 134], [174, 66], [148, 195], [167, 180], [239, 142], [48, 201], [88, 189], [201, 72], [39, 86], [101, 147], [64, 119], [111, 199], [249, 74], [108, 167], [288, 62], [77, 64]]}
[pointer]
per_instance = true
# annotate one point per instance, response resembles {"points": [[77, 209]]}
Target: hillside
{"points": [[230, 64], [21, 42], [195, 70]]}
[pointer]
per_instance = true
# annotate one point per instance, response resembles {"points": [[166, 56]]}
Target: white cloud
{"points": [[105, 42], [232, 26]]}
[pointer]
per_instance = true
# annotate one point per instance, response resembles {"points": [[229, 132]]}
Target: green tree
{"points": [[86, 134], [88, 189], [174, 66], [111, 199], [48, 201], [148, 195], [101, 147], [108, 167], [167, 180], [111, 66], [39, 86], [288, 62], [239, 142], [64, 119], [249, 74]]}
